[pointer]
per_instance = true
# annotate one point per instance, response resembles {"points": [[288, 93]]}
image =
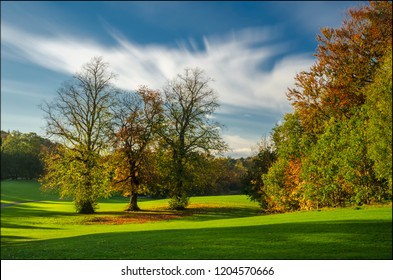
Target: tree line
{"points": [[335, 149], [20, 155]]}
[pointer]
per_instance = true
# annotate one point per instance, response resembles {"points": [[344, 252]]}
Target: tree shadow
{"points": [[12, 239], [19, 226], [28, 210], [196, 214], [348, 239]]}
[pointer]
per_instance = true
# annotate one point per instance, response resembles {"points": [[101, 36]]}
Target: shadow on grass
{"points": [[29, 210], [350, 239], [206, 213], [199, 213], [12, 239], [18, 226], [195, 214]]}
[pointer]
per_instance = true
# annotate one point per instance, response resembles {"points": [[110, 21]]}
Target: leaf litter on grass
{"points": [[155, 215], [134, 218]]}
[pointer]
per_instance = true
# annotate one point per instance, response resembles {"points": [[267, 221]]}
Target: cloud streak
{"points": [[236, 61]]}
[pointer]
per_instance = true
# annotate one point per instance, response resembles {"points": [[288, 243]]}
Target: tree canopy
{"points": [[189, 103], [80, 118], [335, 148]]}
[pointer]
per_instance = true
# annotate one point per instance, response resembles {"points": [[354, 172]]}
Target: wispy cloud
{"points": [[21, 89], [235, 61]]}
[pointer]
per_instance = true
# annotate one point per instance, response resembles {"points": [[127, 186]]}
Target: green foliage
{"points": [[337, 170], [179, 202], [81, 176], [20, 155], [259, 166], [80, 118], [335, 149], [281, 190], [189, 101], [229, 175], [288, 136], [379, 111]]}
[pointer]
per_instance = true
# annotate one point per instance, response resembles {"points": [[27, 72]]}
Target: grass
{"points": [[217, 227], [22, 191]]}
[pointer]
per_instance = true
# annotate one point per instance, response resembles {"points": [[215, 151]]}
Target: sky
{"points": [[252, 51]]}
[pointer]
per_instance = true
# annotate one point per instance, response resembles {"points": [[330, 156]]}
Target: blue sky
{"points": [[252, 50]]}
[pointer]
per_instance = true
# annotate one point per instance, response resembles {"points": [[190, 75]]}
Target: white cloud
{"points": [[233, 60], [241, 147]]}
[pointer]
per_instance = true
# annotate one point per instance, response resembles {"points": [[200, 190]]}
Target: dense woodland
{"points": [[333, 150]]}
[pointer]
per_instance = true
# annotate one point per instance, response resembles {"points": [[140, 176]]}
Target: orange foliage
{"points": [[346, 60]]}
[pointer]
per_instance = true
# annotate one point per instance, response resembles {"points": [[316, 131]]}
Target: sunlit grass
{"points": [[219, 227], [20, 191]]}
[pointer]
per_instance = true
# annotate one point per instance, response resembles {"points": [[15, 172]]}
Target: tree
{"points": [[136, 120], [337, 170], [379, 111], [20, 155], [259, 165], [189, 127], [281, 190], [347, 58], [325, 155], [79, 118]]}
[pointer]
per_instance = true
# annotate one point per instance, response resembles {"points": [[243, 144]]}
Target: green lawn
{"points": [[216, 227]]}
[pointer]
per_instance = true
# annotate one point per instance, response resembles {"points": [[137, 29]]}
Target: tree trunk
{"points": [[179, 199], [133, 206], [86, 207]]}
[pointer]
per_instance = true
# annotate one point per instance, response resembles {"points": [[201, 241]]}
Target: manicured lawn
{"points": [[216, 227], [20, 191]]}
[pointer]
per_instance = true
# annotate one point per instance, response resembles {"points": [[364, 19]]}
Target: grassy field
{"points": [[220, 227]]}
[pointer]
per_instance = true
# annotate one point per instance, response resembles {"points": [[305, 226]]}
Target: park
{"points": [[43, 227], [144, 173]]}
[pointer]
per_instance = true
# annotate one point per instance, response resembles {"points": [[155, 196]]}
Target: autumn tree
{"points": [[328, 159], [189, 103], [331, 105], [79, 118], [136, 119], [281, 190], [347, 58]]}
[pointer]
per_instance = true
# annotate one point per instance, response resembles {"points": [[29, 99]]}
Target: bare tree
{"points": [[136, 119], [189, 126], [79, 118]]}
